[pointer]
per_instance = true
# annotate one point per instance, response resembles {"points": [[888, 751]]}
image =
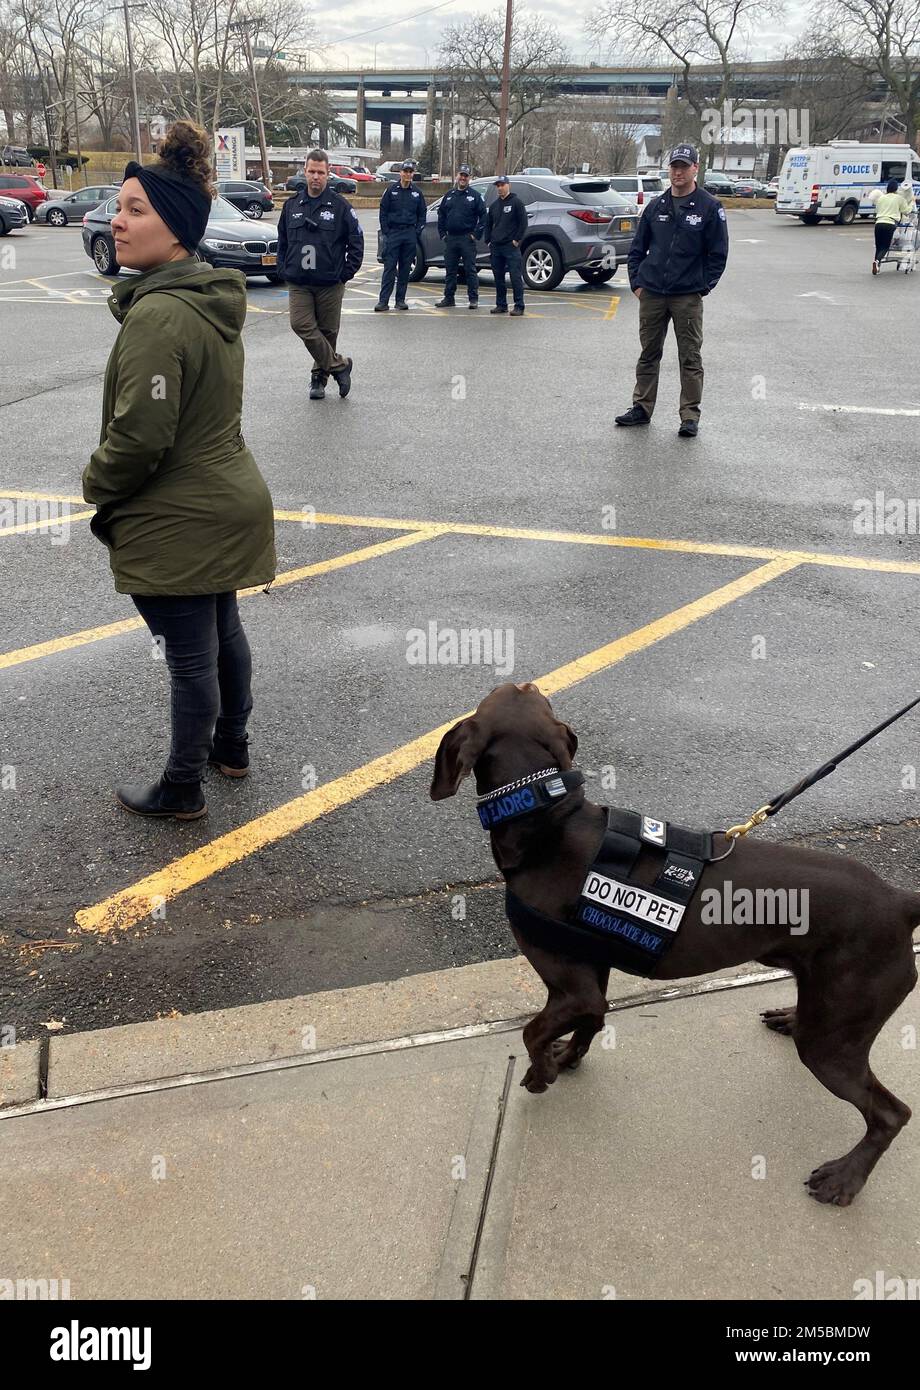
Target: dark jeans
{"points": [[457, 249], [397, 263], [210, 668], [884, 232], [506, 255]]}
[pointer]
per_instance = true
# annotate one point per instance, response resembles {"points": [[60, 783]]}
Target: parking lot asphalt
{"points": [[704, 612]]}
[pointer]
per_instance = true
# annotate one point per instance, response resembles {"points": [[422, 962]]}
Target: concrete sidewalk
{"points": [[408, 1168]]}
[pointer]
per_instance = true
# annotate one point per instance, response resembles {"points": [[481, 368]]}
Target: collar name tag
{"points": [[640, 903], [506, 807]]}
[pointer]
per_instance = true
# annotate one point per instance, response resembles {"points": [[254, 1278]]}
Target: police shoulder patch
{"points": [[721, 214]]}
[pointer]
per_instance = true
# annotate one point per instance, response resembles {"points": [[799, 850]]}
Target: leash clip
{"points": [[757, 818]]}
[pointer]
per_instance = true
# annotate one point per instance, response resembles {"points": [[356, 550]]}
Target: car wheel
{"points": [[253, 210], [419, 267], [810, 219], [847, 214], [4, 229], [104, 256], [597, 275], [543, 268], [57, 218]]}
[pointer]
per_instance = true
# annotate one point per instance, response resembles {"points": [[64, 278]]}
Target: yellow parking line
{"points": [[132, 904], [464, 528], [41, 496], [100, 634], [611, 311], [44, 525]]}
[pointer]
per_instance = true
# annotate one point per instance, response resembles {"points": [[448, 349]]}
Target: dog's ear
{"points": [[456, 757], [564, 745]]}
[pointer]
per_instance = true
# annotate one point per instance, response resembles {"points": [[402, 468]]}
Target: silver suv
{"points": [[638, 188], [574, 223]]}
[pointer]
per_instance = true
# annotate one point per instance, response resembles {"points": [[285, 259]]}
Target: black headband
{"points": [[179, 201]]}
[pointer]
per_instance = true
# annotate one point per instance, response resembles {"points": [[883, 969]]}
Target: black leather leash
{"points": [[778, 802]]}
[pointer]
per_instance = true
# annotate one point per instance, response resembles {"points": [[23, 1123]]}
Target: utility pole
{"points": [[76, 123], [242, 26], [133, 76], [46, 106], [506, 83]]}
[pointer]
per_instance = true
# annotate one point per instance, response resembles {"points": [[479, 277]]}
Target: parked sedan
{"points": [[74, 206], [345, 171], [753, 188], [229, 240], [13, 215], [575, 224], [251, 196], [719, 185]]}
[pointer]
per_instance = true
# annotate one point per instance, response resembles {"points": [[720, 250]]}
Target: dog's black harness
{"points": [[616, 922]]}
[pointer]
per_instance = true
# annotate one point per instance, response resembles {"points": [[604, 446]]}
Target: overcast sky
{"points": [[342, 29]]}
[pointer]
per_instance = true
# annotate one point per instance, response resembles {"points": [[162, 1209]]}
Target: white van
{"points": [[835, 180]]}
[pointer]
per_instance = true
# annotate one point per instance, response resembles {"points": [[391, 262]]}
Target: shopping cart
{"points": [[902, 253]]}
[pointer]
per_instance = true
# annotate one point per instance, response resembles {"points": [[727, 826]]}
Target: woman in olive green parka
{"points": [[181, 504]]}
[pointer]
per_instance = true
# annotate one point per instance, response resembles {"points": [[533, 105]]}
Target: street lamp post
{"points": [[133, 76], [506, 82]]}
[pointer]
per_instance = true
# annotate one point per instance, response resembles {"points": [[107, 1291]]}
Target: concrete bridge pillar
{"points": [[407, 135], [386, 135], [360, 118]]}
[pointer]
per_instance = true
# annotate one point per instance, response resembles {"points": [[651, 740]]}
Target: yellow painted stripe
{"points": [[611, 312], [132, 904], [99, 634], [523, 533], [46, 524]]}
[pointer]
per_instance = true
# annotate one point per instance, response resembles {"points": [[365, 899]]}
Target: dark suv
{"points": [[251, 197], [575, 223], [14, 155]]}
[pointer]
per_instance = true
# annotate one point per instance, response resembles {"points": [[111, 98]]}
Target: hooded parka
{"points": [[181, 503]]}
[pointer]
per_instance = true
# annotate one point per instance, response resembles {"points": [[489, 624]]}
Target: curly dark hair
{"points": [[187, 150]]}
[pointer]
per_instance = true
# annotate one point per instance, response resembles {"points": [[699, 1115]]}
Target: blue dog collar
{"points": [[527, 794]]}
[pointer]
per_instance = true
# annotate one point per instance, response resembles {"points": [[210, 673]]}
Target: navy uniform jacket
{"points": [[461, 212], [401, 210], [679, 252], [322, 246], [506, 221]]}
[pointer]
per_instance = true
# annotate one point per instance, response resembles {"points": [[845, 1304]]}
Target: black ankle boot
{"points": [[231, 756], [184, 800]]}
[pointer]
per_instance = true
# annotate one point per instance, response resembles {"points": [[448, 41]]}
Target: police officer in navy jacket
{"points": [[461, 222], [506, 224], [402, 217], [677, 256]]}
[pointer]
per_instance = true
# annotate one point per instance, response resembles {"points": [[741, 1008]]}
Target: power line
{"points": [[418, 14]]}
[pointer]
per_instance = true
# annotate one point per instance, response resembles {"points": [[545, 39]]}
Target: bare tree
{"points": [[883, 37], [686, 34], [826, 80], [471, 54]]}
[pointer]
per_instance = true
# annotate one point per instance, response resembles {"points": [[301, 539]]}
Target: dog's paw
{"points": [[836, 1182], [535, 1084], [780, 1020], [565, 1056]]}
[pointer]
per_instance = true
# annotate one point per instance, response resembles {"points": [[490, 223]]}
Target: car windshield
{"points": [[226, 212]]}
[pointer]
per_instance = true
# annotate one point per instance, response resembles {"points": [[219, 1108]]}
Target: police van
{"points": [[835, 180]]}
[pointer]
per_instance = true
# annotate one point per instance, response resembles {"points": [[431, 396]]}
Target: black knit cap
{"points": [[179, 201]]}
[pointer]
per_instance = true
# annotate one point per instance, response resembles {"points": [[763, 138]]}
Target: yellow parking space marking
{"points": [[58, 275], [131, 905], [99, 634], [466, 528], [45, 525], [41, 496], [611, 311]]}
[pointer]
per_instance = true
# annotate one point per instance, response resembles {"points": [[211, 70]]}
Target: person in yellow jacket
{"points": [[890, 207]]}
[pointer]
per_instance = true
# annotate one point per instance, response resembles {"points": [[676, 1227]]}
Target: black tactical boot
{"points": [[635, 415], [342, 377], [231, 756], [317, 386], [184, 800]]}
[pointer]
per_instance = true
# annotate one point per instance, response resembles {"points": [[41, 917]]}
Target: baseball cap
{"points": [[683, 154], [503, 178], [408, 164], [464, 169]]}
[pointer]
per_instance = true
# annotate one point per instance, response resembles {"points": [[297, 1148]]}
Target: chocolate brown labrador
{"points": [[853, 965]]}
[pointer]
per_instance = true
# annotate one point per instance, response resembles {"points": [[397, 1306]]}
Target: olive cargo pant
{"points": [[316, 313], [656, 311]]}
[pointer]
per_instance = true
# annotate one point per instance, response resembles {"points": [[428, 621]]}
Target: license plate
{"points": [[625, 225], [269, 260]]}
